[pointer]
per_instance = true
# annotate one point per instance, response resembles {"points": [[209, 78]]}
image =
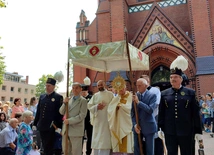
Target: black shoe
{"points": [[211, 135]]}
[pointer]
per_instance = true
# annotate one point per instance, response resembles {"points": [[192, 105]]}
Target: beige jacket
{"points": [[77, 111]]}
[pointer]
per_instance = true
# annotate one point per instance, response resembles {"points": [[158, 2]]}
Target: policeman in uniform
{"points": [[179, 116], [48, 116], [88, 126]]}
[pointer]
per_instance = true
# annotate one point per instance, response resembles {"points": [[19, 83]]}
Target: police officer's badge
{"points": [[53, 99], [182, 93]]}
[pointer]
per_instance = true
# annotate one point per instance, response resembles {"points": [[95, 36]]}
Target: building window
{"points": [[3, 87], [25, 100], [147, 6], [32, 91], [12, 89], [19, 90], [26, 90], [3, 98], [80, 35], [11, 99]]}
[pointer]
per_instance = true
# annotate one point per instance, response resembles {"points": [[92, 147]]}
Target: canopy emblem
{"points": [[94, 50], [140, 55]]}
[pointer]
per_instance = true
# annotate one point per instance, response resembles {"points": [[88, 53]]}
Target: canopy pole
{"points": [[105, 77], [132, 88], [66, 105]]}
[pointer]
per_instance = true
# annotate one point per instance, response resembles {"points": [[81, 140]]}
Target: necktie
{"points": [[141, 96]]}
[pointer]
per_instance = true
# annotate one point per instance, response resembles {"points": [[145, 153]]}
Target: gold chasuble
{"points": [[120, 123]]}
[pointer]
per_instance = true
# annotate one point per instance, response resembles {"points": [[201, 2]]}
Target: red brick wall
{"points": [[205, 84], [92, 32], [201, 27], [211, 9], [79, 74]]}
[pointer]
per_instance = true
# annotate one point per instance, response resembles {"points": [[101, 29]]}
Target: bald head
{"points": [[101, 85], [142, 84], [13, 122], [146, 77]]}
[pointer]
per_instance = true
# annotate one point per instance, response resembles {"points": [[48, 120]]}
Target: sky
{"points": [[34, 34]]}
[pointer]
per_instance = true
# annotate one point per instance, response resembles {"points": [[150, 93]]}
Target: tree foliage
{"points": [[40, 87], [2, 4], [2, 66]]}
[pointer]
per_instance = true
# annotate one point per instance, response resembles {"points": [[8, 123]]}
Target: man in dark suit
{"points": [[48, 116], [88, 126], [146, 104], [179, 116]]}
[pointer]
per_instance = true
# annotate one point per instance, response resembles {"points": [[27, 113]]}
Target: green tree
{"points": [[40, 87], [2, 66], [2, 4]]}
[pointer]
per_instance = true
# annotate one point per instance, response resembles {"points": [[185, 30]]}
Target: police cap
{"points": [[51, 81], [176, 71]]}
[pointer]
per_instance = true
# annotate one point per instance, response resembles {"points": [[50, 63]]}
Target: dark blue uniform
{"points": [[48, 113], [179, 119]]}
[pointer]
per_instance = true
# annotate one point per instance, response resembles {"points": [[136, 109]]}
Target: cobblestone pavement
{"points": [[208, 145]]}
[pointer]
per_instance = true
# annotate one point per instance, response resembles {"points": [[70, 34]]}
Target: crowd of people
{"points": [[16, 135], [115, 122], [206, 103]]}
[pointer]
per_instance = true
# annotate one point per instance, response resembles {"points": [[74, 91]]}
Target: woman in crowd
{"points": [[26, 106], [9, 110], [17, 107], [6, 111], [25, 134], [18, 116], [33, 105], [3, 120]]}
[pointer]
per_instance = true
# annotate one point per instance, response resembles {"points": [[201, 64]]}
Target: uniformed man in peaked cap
{"points": [[178, 116], [48, 118]]}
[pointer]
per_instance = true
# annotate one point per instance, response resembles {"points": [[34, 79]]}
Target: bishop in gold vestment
{"points": [[120, 123]]}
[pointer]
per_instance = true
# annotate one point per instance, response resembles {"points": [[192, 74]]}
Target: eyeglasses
{"points": [[27, 104]]}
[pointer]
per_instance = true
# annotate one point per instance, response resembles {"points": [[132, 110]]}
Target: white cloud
{"points": [[35, 32]]}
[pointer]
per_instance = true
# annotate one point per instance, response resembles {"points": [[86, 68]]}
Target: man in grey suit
{"points": [[146, 104], [77, 110]]}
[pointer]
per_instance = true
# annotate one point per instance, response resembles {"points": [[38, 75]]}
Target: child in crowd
{"points": [[206, 120]]}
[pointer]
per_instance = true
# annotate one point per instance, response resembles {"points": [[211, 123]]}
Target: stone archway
{"points": [[162, 54]]}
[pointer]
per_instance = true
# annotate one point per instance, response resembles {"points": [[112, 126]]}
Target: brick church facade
{"points": [[163, 29]]}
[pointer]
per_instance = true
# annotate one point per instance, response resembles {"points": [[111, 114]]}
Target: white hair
{"points": [[144, 81], [27, 113], [12, 120]]}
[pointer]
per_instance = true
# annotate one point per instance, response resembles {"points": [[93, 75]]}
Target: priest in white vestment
{"points": [[98, 105], [119, 117]]}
